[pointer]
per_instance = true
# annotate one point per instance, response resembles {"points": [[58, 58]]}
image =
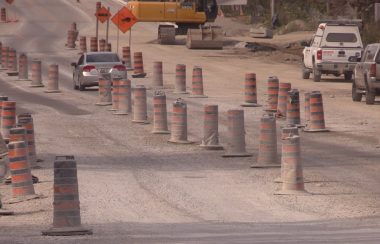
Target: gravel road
{"points": [[135, 187]]}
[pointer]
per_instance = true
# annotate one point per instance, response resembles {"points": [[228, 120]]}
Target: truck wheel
{"points": [[305, 73], [369, 96], [348, 76], [316, 75], [356, 96]]}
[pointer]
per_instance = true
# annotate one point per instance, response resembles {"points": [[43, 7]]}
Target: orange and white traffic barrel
{"points": [[211, 128], [273, 87], [236, 146], [267, 157], [284, 88], [66, 205], [160, 117], [138, 71], [197, 90], [179, 123], [140, 107], [250, 91], [180, 79]]}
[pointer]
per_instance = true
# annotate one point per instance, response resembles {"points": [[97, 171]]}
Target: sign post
{"points": [[103, 15], [98, 6], [108, 25]]}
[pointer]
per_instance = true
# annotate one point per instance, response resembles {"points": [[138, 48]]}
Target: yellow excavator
{"points": [[182, 17]]}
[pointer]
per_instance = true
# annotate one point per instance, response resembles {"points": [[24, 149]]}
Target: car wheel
{"points": [[81, 87], [356, 96], [305, 73], [348, 76], [369, 96], [316, 75]]}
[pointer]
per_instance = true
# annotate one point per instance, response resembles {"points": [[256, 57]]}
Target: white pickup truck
{"points": [[329, 50]]}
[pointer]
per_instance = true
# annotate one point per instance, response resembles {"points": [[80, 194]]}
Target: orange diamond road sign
{"points": [[124, 19], [103, 14], [9, 1]]}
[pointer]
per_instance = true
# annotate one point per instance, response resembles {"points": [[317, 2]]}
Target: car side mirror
{"points": [[74, 64], [123, 62], [354, 59]]}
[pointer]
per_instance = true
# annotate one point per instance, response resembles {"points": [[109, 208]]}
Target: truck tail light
{"points": [[372, 70], [120, 67], [319, 55], [88, 68]]}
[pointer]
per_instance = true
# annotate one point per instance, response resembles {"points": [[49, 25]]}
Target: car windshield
{"points": [[341, 37], [102, 58]]}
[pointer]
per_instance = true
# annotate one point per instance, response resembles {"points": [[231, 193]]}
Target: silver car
{"points": [[91, 65]]}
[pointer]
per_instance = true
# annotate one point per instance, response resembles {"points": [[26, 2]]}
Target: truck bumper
{"points": [[373, 83], [333, 68]]}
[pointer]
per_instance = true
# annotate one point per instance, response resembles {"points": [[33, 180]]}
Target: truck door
{"points": [[359, 76]]}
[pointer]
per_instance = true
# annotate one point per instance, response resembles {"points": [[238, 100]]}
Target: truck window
{"points": [[341, 37], [370, 53]]}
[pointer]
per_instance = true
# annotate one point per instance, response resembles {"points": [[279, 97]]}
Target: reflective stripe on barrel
{"points": [[317, 117], [179, 122], [19, 134], [23, 67], [105, 94], [109, 47], [3, 15], [268, 140], [8, 117], [12, 60], [140, 114], [158, 81], [22, 184], [125, 99], [180, 79], [36, 73], [2, 98], [307, 108], [71, 34], [4, 57], [138, 63], [210, 126], [250, 90], [291, 166], [53, 76], [115, 94], [236, 133], [284, 88], [93, 44], [293, 108], [102, 45], [66, 194], [127, 56], [26, 121], [273, 86], [160, 118], [83, 44], [197, 82]]}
